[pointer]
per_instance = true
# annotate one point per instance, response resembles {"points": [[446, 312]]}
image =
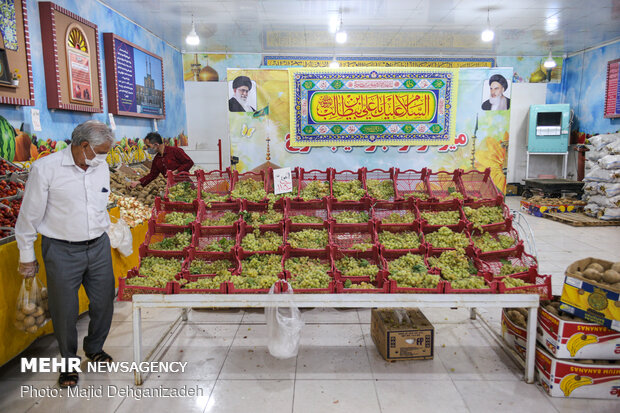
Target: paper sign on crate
{"points": [[282, 181]]}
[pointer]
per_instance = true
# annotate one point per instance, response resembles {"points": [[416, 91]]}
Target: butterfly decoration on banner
{"points": [[247, 132]]}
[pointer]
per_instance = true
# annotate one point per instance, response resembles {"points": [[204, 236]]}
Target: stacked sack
{"points": [[602, 179]]}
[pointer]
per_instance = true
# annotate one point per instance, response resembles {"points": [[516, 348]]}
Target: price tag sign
{"points": [[36, 120], [112, 123], [282, 181]]}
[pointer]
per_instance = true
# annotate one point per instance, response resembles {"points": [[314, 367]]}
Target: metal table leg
{"points": [[137, 341], [530, 353]]}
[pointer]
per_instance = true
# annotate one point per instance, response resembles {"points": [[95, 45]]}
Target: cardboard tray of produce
{"points": [[592, 291]]}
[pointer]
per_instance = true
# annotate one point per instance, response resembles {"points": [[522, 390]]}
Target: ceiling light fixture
{"points": [[334, 63], [488, 34], [192, 38], [341, 35], [549, 63]]}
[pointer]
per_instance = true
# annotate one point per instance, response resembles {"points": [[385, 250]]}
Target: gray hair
{"points": [[93, 132]]}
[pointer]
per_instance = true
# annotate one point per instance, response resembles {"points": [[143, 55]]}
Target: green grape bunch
{"points": [[510, 282], [486, 242], [470, 283], [308, 272], [179, 218], [348, 190], [351, 217], [250, 189], [444, 237], [156, 272], [400, 217], [508, 269], [361, 286], [177, 242], [206, 283], [219, 245], [261, 265], [441, 217], [305, 219], [183, 192], [410, 271], [380, 189], [218, 267], [226, 219], [417, 195], [454, 265], [357, 267], [257, 241], [399, 240], [484, 215], [315, 190], [212, 197], [309, 239], [272, 198], [269, 217]]}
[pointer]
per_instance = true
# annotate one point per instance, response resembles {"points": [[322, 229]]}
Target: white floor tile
{"points": [[408, 396], [332, 335], [202, 363], [12, 399], [264, 396], [335, 396], [204, 335], [584, 405], [498, 395], [330, 316], [220, 316], [333, 363], [193, 402], [255, 363]]}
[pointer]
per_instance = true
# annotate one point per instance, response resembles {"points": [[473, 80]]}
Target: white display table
{"points": [[471, 301]]}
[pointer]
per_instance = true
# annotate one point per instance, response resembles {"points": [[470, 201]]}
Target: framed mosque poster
{"points": [[71, 59], [135, 79]]}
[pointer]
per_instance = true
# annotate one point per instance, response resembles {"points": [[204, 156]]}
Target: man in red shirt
{"points": [[166, 158]]}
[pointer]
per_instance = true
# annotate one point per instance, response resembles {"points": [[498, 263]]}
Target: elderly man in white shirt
{"points": [[65, 201]]}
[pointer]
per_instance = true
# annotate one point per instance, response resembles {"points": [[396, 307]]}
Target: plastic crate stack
{"points": [[602, 179], [365, 231]]}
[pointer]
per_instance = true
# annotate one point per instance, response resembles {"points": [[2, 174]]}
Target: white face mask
{"points": [[97, 160]]}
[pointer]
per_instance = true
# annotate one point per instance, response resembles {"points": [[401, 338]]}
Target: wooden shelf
{"points": [[12, 86]]}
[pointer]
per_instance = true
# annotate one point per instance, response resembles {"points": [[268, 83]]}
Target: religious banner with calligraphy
{"points": [[367, 61], [372, 106]]}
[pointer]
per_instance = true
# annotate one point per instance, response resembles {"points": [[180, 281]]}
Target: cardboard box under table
{"points": [[410, 338]]}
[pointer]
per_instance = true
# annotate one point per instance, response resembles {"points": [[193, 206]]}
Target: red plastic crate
{"points": [[126, 292], [346, 176], [381, 284], [511, 232], [162, 208], [156, 233], [257, 176], [203, 236], [381, 175], [488, 279], [325, 258], [364, 205], [383, 209], [282, 287], [216, 182], [254, 207], [441, 184], [175, 178], [408, 227], [504, 225], [223, 289], [307, 176], [479, 189], [452, 205], [217, 210], [410, 181], [245, 229], [519, 257], [373, 256], [192, 255], [233, 290], [480, 266], [461, 228], [391, 255], [325, 225], [345, 236], [541, 285], [316, 208]]}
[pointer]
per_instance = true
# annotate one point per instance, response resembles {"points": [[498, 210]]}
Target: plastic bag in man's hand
{"points": [[120, 237], [284, 325], [31, 310]]}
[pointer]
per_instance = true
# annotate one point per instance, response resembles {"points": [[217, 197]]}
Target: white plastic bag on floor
{"points": [[284, 326], [121, 238]]}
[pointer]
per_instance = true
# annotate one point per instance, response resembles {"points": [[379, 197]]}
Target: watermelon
{"points": [[7, 140], [60, 145]]}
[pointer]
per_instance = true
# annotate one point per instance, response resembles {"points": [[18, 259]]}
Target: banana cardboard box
{"points": [[565, 378], [586, 294], [576, 339], [514, 335]]}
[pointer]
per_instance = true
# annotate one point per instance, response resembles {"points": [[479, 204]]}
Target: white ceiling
{"points": [[380, 27]]}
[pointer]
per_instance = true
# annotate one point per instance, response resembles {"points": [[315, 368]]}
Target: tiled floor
{"points": [[338, 368]]}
